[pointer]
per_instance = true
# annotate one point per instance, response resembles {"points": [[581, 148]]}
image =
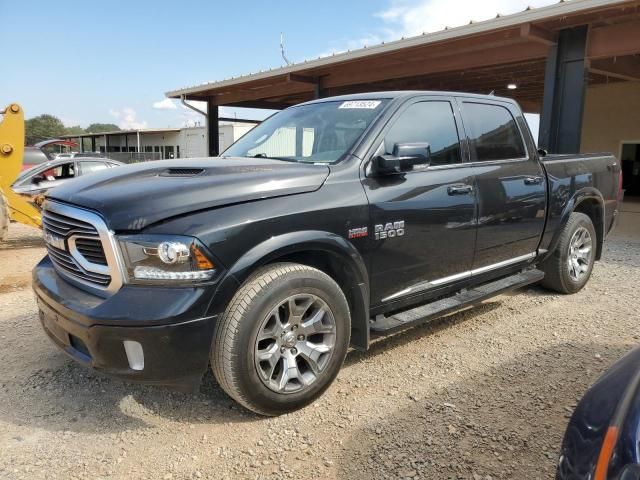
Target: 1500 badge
{"points": [[389, 230]]}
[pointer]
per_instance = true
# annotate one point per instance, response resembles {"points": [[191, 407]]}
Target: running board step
{"points": [[386, 325]]}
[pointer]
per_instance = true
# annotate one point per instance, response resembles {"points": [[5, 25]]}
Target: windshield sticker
{"points": [[367, 104]]}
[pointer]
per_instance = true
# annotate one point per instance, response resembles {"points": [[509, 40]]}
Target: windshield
{"points": [[318, 132]]}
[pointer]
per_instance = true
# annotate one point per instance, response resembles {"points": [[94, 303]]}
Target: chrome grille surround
{"points": [[76, 230]]}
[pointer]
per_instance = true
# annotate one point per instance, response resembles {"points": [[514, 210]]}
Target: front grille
{"points": [[74, 245], [91, 249], [64, 226], [67, 264]]}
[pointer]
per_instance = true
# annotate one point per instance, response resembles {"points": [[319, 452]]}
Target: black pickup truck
{"points": [[332, 222]]}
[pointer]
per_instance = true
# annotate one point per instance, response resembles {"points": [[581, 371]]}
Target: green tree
{"points": [[101, 127], [43, 127], [74, 130]]}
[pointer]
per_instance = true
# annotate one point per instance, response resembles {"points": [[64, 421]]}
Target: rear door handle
{"points": [[459, 189], [533, 180]]}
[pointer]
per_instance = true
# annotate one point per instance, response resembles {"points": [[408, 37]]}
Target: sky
{"points": [[112, 62]]}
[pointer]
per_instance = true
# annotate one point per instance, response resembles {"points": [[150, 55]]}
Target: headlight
{"points": [[165, 258]]}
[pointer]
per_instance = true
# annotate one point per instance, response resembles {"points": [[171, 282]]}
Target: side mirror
{"points": [[542, 152], [38, 179], [405, 156]]}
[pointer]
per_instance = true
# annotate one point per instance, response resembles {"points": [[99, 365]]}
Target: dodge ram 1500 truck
{"points": [[331, 222]]}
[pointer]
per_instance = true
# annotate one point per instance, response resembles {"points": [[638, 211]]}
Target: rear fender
{"points": [[306, 242], [584, 194]]}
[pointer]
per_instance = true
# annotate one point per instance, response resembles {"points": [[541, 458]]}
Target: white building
{"points": [[158, 143]]}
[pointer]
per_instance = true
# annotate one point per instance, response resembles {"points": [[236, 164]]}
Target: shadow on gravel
{"points": [[67, 396], [506, 421]]}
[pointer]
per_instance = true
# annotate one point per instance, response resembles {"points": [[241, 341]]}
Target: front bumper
{"points": [[170, 324]]}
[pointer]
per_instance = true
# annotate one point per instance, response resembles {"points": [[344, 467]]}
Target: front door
{"points": [[510, 185], [423, 230]]}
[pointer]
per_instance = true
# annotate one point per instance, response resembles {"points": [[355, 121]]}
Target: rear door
{"points": [[423, 221], [510, 184]]}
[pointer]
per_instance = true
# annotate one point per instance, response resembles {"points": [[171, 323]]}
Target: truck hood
{"points": [[135, 196]]}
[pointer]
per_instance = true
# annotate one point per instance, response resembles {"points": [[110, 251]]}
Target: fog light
{"points": [[135, 355]]}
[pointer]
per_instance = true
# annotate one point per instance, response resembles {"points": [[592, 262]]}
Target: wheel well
{"points": [[341, 272], [592, 208], [327, 263]]}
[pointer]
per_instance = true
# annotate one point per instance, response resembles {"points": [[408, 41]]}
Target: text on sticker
{"points": [[369, 104]]}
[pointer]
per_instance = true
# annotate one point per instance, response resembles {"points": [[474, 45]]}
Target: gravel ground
{"points": [[482, 394]]}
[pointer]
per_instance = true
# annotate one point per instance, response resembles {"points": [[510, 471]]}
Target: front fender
{"points": [[309, 241]]}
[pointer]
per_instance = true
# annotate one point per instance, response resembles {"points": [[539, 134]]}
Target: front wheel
{"points": [[568, 268], [282, 339]]}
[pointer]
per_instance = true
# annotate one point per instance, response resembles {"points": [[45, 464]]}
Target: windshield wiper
{"points": [[264, 155]]}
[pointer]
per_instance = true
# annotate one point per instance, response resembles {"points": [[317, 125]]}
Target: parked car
{"points": [[330, 222], [43, 177], [602, 440]]}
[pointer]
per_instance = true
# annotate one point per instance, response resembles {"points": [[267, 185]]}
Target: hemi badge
{"points": [[359, 232]]}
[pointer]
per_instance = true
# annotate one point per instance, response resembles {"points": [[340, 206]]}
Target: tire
{"points": [[560, 273], [4, 217], [261, 319]]}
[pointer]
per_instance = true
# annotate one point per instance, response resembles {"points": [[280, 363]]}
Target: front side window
{"points": [[429, 122], [318, 132], [59, 172], [493, 133]]}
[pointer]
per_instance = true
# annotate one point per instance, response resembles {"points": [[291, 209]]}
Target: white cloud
{"points": [[127, 119], [166, 104], [417, 16], [407, 18]]}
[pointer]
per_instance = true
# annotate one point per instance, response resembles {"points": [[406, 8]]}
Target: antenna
{"points": [[284, 57]]}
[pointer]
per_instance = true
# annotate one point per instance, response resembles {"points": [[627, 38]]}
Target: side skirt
{"points": [[385, 325]]}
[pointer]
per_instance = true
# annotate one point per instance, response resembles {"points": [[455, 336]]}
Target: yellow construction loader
{"points": [[13, 206]]}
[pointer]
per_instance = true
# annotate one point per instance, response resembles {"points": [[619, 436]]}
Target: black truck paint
{"points": [[456, 224]]}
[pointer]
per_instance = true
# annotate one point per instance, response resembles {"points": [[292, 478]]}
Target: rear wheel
{"points": [[569, 267], [4, 217], [282, 339]]}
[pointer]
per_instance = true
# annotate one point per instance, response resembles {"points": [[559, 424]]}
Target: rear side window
{"points": [[493, 133], [431, 122], [88, 167]]}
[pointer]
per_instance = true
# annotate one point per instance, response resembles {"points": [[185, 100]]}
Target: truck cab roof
{"points": [[402, 94]]}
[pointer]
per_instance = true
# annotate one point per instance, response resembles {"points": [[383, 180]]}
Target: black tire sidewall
{"points": [[575, 222], [249, 382]]}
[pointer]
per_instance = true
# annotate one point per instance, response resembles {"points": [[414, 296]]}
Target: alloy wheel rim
{"points": [[295, 343], [580, 250]]}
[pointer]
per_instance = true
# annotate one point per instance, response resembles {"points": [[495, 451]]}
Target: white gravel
{"points": [[482, 394]]}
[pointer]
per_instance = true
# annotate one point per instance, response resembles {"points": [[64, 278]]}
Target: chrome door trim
{"points": [[422, 286]]}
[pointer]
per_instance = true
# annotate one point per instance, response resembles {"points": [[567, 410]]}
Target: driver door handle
{"points": [[533, 180], [460, 189]]}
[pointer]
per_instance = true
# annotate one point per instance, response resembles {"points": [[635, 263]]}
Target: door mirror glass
{"points": [[404, 158]]}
